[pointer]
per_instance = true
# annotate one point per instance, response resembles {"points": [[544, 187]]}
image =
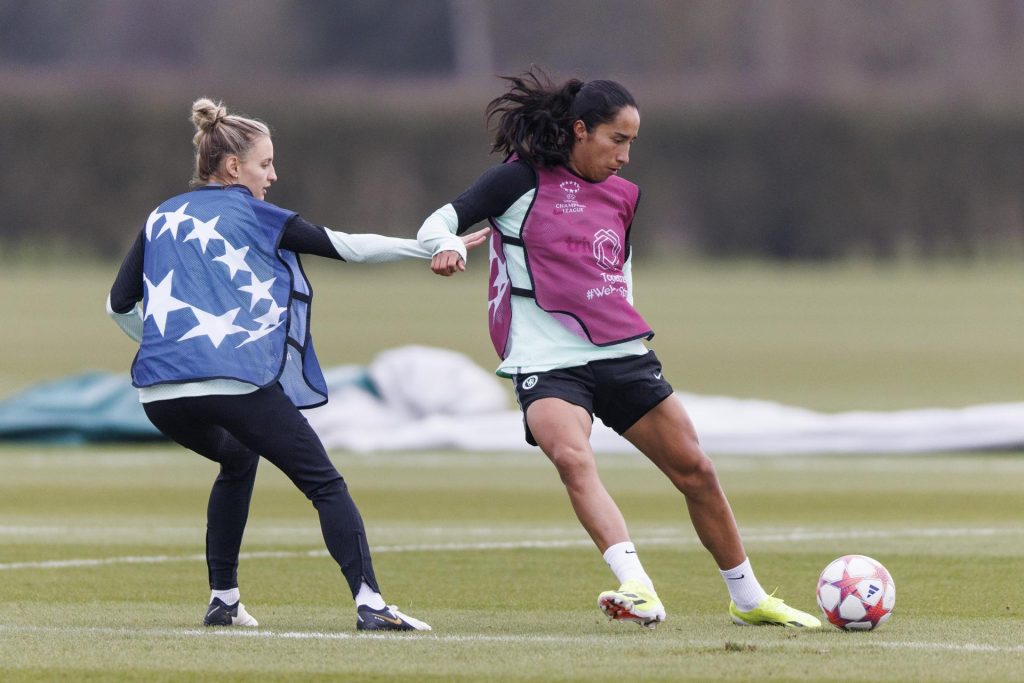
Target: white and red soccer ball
{"points": [[856, 593]]}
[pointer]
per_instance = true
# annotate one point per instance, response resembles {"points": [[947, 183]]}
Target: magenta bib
{"points": [[576, 240]]}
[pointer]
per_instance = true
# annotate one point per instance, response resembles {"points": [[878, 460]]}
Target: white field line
{"points": [[410, 639], [795, 535], [105, 532]]}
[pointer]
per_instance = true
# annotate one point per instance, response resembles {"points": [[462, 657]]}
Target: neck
{"points": [[571, 165], [218, 180]]}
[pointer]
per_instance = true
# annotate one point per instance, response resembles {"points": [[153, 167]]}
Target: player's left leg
{"points": [[666, 435]]}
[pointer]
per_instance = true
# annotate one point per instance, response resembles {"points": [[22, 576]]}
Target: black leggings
{"points": [[235, 431]]}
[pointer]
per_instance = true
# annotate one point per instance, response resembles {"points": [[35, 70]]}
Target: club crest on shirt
{"points": [[607, 249]]}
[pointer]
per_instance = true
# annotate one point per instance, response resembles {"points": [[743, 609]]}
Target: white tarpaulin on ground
{"points": [[418, 398]]}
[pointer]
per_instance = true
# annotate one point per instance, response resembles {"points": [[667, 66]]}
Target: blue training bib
{"points": [[222, 301]]}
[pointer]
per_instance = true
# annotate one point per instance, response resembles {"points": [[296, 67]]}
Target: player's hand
{"points": [[447, 263], [475, 239]]}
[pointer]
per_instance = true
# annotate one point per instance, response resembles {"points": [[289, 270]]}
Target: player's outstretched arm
{"points": [[371, 248]]}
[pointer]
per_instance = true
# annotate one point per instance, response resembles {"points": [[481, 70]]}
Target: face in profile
{"points": [[256, 171], [603, 151]]}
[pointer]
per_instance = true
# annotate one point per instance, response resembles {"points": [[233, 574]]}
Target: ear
{"points": [[579, 130], [231, 165]]}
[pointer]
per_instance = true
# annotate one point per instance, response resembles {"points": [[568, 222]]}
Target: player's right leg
{"points": [[562, 430], [633, 601], [190, 422], [222, 613]]}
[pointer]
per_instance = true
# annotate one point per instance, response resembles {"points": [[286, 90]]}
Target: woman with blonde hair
{"points": [[214, 291]]}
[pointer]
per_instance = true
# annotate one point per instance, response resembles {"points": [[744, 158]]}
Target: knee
{"points": [[693, 471], [240, 468], [326, 489], [575, 465]]}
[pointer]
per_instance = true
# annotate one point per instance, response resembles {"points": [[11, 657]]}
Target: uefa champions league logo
{"points": [[571, 189]]}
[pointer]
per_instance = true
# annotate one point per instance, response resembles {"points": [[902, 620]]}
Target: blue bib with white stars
{"points": [[222, 301]]}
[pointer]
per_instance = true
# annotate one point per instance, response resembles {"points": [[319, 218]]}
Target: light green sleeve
{"points": [[437, 233], [130, 322], [371, 248]]}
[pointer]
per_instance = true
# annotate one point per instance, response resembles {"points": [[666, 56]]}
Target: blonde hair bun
{"points": [[206, 113], [218, 135]]}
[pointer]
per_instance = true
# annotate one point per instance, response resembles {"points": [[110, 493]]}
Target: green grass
{"points": [[486, 549], [831, 338]]}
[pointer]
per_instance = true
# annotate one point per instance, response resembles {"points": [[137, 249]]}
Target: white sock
{"points": [[228, 597], [743, 586], [369, 597], [625, 564]]}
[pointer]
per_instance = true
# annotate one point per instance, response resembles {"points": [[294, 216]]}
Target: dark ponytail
{"points": [[535, 117]]}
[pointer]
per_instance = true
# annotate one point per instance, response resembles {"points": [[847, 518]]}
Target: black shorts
{"points": [[619, 391]]}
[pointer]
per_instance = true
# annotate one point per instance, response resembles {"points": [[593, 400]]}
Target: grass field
{"points": [[101, 571], [103, 577]]}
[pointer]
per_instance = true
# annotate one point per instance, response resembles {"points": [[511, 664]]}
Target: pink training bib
{"points": [[576, 240]]}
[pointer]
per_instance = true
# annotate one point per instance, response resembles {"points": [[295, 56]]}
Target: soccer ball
{"points": [[856, 593]]}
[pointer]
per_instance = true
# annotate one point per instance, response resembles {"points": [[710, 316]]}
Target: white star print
{"points": [[501, 282], [259, 334], [153, 218], [271, 317], [204, 231], [258, 290], [159, 301], [234, 259], [173, 220], [216, 327]]}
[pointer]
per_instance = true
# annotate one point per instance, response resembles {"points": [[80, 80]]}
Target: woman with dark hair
{"points": [[214, 292], [562, 320]]}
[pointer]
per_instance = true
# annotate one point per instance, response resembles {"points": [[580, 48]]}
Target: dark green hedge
{"points": [[787, 182]]}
